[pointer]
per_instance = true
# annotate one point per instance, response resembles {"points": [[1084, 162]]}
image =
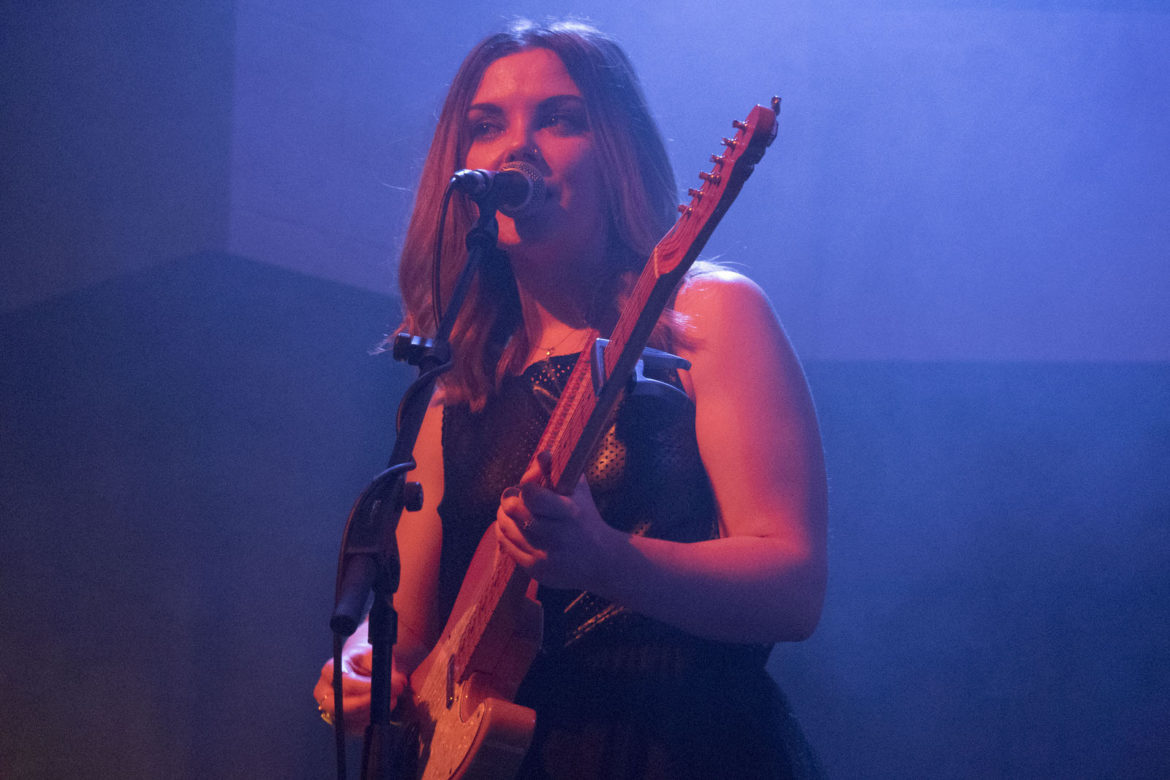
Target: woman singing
{"points": [[697, 538]]}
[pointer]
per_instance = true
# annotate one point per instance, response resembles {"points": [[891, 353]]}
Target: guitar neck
{"points": [[586, 404]]}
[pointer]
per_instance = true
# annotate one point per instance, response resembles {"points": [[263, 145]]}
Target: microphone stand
{"points": [[369, 552]]}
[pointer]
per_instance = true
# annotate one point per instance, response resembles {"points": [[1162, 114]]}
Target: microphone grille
{"points": [[534, 192]]}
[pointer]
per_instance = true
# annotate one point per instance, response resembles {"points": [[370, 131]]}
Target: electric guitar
{"points": [[460, 695]]}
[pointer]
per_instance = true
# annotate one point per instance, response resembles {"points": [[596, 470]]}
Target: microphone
{"points": [[516, 187]]}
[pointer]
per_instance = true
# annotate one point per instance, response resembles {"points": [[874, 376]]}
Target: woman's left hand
{"points": [[561, 541]]}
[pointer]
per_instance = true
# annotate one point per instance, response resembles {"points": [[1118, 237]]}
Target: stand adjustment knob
{"points": [[412, 497]]}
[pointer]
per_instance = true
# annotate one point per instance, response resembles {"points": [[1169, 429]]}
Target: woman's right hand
{"points": [[356, 667]]}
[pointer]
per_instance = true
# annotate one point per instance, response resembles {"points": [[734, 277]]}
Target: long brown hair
{"points": [[488, 339]]}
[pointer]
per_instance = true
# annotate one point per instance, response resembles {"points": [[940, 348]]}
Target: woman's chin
{"points": [[525, 235]]}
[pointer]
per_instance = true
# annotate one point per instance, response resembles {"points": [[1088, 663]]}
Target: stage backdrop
{"points": [[962, 224]]}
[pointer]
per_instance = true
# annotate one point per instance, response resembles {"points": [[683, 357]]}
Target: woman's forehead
{"points": [[531, 73]]}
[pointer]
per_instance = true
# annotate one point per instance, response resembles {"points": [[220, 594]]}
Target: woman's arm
{"points": [[763, 580], [419, 537]]}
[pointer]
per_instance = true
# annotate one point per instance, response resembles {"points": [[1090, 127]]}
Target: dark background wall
{"points": [[962, 224], [115, 139]]}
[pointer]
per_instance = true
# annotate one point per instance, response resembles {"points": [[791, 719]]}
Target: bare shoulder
{"points": [[726, 314], [738, 351], [720, 291]]}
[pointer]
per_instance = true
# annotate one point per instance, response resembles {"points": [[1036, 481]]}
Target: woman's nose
{"points": [[522, 148]]}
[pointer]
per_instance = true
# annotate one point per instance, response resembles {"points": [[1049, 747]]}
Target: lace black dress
{"points": [[618, 695]]}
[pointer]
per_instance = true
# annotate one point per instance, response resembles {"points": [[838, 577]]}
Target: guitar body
{"points": [[470, 728]]}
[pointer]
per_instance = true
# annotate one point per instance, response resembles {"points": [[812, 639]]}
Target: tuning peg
{"points": [[684, 208], [711, 177], [729, 143], [738, 125], [694, 193], [775, 104], [717, 159]]}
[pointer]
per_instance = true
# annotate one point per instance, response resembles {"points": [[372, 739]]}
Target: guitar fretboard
{"points": [[585, 406]]}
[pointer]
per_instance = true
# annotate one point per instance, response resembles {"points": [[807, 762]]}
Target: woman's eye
{"points": [[565, 123], [483, 129]]}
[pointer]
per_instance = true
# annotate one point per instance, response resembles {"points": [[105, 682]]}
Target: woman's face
{"points": [[528, 108]]}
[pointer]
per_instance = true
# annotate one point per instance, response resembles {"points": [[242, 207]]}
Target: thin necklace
{"points": [[557, 378], [548, 351]]}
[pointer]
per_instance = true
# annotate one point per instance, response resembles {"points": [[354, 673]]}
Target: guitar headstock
{"points": [[721, 184]]}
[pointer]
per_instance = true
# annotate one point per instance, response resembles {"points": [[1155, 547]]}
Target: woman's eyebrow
{"points": [[559, 99], [485, 108]]}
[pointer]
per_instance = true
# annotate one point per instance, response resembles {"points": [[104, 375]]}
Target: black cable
{"points": [[436, 260], [338, 708]]}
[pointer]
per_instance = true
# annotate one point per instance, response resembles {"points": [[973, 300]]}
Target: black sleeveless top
{"points": [[617, 694]]}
